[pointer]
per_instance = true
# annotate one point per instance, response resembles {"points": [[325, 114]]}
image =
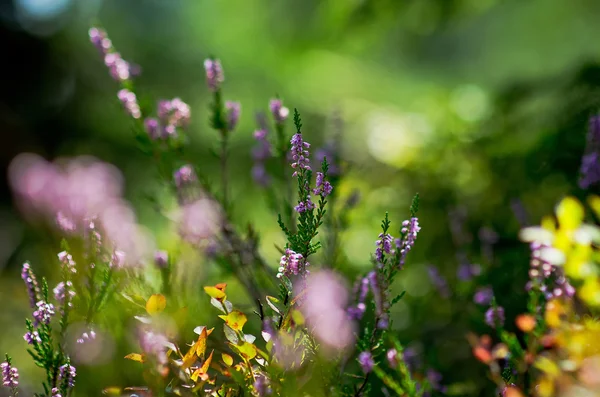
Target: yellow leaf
{"points": [[235, 320], [202, 371], [201, 343], [190, 357], [297, 317], [135, 357], [549, 367], [156, 304], [247, 350], [227, 359], [215, 292], [570, 213]]}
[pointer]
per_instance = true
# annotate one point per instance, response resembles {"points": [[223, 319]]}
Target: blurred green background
{"points": [[472, 103]]}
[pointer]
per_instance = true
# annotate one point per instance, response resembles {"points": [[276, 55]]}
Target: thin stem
{"points": [[224, 142]]}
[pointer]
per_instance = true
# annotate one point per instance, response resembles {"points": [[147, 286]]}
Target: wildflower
{"points": [[214, 74], [86, 337], [279, 112], [300, 154], [362, 288], [43, 314], [33, 289], [10, 375], [185, 176], [56, 392], [494, 316], [130, 103], [67, 262], [303, 206], [32, 338], [100, 40], [67, 375], [161, 259], [261, 385], [154, 344], [384, 245], [291, 263], [233, 114], [172, 114], [323, 188], [117, 260], [329, 152], [64, 293], [410, 229], [152, 128], [119, 69], [260, 153], [392, 357], [365, 359], [483, 296]]}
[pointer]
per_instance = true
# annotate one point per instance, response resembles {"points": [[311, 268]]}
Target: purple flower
{"points": [[100, 40], [67, 262], [33, 289], [86, 337], [234, 110], [303, 206], [392, 357], [467, 271], [261, 385], [214, 74], [520, 212], [43, 314], [483, 296], [291, 263], [130, 103], [119, 69], [300, 154], [67, 375], [161, 259], [384, 246], [323, 187], [154, 344], [365, 359], [32, 338], [185, 176], [56, 392], [279, 112], [10, 375], [64, 293], [362, 289], [410, 229], [494, 316], [438, 281], [152, 128]]}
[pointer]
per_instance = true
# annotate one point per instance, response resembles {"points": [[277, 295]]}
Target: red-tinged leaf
{"points": [[214, 292], [136, 357], [247, 350], [156, 304], [201, 343], [236, 320], [202, 371]]}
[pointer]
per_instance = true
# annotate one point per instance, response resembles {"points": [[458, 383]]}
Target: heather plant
{"points": [[301, 331]]}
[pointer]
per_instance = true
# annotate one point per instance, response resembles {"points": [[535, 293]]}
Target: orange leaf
{"points": [[202, 371], [221, 286], [135, 357], [201, 343], [236, 320], [156, 304]]}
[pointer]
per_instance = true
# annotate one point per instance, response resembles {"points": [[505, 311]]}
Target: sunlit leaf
{"points": [[201, 343], [112, 391], [236, 320], [156, 304], [202, 371], [247, 350], [215, 292], [227, 359], [271, 302], [135, 357]]}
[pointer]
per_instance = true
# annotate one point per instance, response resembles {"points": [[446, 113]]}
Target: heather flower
{"points": [[291, 263], [199, 221], [152, 128], [119, 69], [483, 296], [467, 271], [300, 154], [86, 337], [392, 357], [100, 40], [185, 176], [384, 246], [154, 344], [323, 188], [590, 162], [64, 293], [438, 281], [324, 307], [261, 385], [494, 316], [33, 289], [43, 314], [56, 392], [234, 110], [214, 74], [362, 289], [10, 375], [410, 229], [67, 262], [161, 259], [279, 112], [303, 206], [172, 114], [118, 259], [365, 359], [67, 375], [129, 101], [32, 338]]}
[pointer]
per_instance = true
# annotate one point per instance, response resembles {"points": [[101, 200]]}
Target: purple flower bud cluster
{"points": [[439, 282], [86, 337], [365, 359], [361, 289], [186, 183], [117, 260], [261, 386], [384, 246], [130, 103], [43, 314], [67, 262], [154, 344], [545, 277], [323, 187], [119, 69], [32, 338], [392, 357], [305, 205], [260, 153], [214, 74], [67, 375], [31, 283], [410, 229], [234, 109], [292, 263], [56, 392], [161, 259], [279, 112], [494, 316], [483, 296], [172, 114], [300, 154], [10, 375], [64, 293], [590, 162]]}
